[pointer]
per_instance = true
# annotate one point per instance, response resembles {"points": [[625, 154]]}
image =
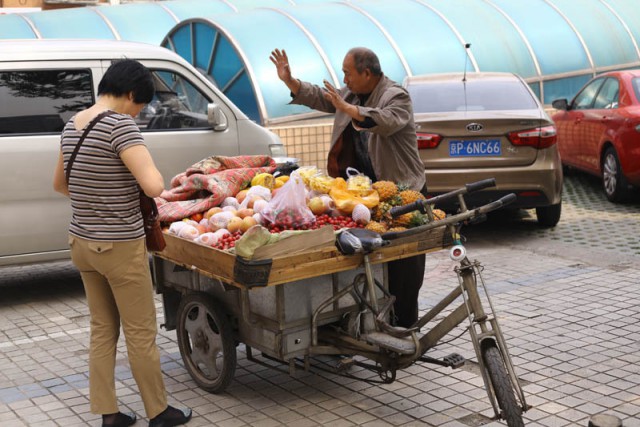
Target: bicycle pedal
{"points": [[454, 360], [344, 363]]}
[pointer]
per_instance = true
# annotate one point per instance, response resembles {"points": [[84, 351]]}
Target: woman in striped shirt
{"points": [[107, 242]]}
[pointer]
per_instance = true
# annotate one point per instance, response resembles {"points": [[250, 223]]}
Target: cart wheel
{"points": [[511, 411], [206, 342]]}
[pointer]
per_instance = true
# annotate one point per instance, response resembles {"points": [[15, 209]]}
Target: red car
{"points": [[599, 131]]}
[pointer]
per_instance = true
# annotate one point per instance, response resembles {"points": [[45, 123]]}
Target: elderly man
{"points": [[373, 131]]}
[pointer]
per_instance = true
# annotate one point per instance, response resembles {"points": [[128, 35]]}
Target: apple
{"points": [[259, 205], [245, 212], [241, 195], [234, 224], [252, 200], [247, 223], [317, 206], [214, 210]]}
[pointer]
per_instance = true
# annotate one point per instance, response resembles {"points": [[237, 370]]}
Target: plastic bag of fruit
{"points": [[306, 172], [358, 183], [320, 183], [346, 199], [288, 208]]}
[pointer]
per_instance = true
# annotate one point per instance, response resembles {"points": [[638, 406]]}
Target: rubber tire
{"points": [[511, 411], [614, 183], [549, 216], [202, 318]]}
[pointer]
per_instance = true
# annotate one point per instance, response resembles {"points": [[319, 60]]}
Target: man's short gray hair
{"points": [[365, 59]]}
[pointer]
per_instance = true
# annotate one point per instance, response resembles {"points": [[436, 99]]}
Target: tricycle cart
{"points": [[331, 300]]}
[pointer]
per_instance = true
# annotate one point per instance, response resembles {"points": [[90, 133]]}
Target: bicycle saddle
{"points": [[359, 240]]}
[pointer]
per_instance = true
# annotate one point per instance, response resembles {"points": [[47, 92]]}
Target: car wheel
{"points": [[548, 216], [613, 182]]}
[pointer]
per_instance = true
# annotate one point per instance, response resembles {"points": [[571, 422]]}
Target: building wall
{"points": [[20, 3], [308, 142]]}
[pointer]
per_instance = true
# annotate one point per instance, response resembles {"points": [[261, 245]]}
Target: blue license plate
{"points": [[475, 148]]}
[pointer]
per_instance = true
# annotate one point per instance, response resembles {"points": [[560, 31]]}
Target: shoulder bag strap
{"points": [[90, 126]]}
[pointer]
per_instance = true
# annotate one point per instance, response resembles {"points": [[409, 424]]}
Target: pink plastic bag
{"points": [[288, 208]]}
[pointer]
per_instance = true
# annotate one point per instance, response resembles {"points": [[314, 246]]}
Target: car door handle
{"points": [[605, 119]]}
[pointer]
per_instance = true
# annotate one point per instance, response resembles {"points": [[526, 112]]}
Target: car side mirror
{"points": [[560, 104], [216, 117]]}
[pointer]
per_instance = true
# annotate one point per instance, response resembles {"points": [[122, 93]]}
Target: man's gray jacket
{"points": [[392, 140]]}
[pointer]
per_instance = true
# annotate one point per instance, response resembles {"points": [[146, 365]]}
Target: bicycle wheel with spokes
{"points": [[206, 342], [501, 382]]}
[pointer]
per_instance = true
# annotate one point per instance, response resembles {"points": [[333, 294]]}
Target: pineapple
{"points": [[410, 220], [385, 189], [402, 220], [395, 200], [382, 211], [376, 226], [410, 196], [438, 214]]}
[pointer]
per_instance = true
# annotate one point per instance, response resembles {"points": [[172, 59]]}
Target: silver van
{"points": [[44, 82]]}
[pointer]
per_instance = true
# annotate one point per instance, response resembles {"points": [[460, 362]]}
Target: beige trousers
{"points": [[117, 282]]}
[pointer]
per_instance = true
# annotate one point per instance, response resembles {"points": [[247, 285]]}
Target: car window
{"points": [[177, 104], [42, 101], [607, 96], [636, 87], [585, 98], [475, 95]]}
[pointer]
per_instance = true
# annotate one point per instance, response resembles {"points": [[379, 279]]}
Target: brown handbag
{"points": [[152, 230]]}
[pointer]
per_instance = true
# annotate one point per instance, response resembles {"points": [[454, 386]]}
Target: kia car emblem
{"points": [[474, 127]]}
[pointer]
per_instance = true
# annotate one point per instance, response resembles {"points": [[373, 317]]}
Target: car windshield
{"points": [[475, 95], [636, 87]]}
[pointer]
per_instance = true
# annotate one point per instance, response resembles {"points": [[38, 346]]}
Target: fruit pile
{"points": [[307, 200], [392, 195]]}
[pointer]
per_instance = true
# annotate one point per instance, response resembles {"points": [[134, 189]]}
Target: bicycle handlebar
{"points": [[419, 205], [479, 185], [503, 201], [454, 219], [401, 210]]}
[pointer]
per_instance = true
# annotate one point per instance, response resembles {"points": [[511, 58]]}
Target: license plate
{"points": [[475, 148]]}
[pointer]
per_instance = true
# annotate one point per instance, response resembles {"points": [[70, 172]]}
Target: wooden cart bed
{"points": [[234, 270]]}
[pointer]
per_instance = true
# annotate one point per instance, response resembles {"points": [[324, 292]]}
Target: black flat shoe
{"points": [[171, 417], [119, 420]]}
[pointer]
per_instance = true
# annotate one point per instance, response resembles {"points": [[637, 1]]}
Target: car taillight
{"points": [[542, 137], [428, 140]]}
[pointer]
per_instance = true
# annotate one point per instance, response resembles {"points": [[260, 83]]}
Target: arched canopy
{"points": [[556, 45], [139, 22], [14, 26]]}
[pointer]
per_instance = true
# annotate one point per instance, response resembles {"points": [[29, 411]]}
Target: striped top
{"points": [[105, 199]]}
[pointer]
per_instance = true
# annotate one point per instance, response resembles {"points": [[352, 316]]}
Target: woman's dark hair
{"points": [[365, 59], [125, 76]]}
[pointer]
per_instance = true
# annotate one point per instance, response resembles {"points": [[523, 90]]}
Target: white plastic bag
{"points": [[288, 208]]}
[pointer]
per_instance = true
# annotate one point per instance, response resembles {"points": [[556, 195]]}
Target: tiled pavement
{"points": [[567, 299]]}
